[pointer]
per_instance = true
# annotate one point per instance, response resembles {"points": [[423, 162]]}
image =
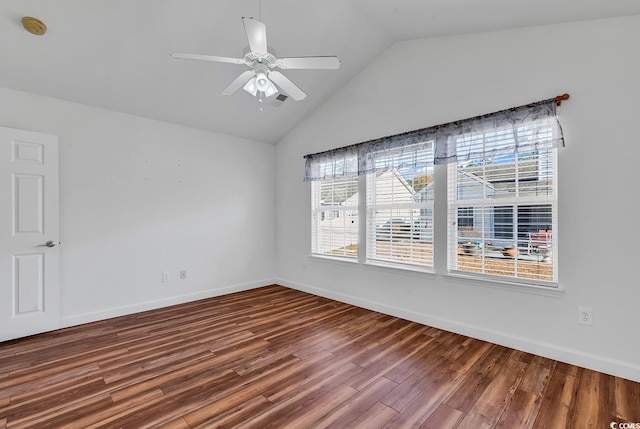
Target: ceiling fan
{"points": [[262, 79]]}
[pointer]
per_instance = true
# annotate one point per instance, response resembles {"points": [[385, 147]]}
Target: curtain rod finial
{"points": [[561, 98]]}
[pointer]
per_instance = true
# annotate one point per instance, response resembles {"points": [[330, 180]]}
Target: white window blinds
{"points": [[502, 202], [400, 205], [334, 205]]}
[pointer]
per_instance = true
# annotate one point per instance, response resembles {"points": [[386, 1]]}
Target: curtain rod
{"points": [[558, 100]]}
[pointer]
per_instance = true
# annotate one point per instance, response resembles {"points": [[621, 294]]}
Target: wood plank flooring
{"points": [[279, 358]]}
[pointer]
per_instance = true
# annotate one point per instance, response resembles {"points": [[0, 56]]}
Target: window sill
{"points": [[333, 259], [378, 266], [512, 286], [398, 269]]}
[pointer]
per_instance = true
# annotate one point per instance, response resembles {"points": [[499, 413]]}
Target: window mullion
{"points": [[363, 219]]}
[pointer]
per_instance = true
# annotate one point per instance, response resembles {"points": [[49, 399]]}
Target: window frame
{"points": [[406, 233], [319, 213], [528, 128], [517, 203]]}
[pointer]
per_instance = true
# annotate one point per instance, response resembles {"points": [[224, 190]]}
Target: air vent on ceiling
{"points": [[277, 100]]}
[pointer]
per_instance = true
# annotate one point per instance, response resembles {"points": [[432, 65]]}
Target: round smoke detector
{"points": [[34, 25]]}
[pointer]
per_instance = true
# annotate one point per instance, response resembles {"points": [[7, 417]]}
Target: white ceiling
{"points": [[114, 54]]}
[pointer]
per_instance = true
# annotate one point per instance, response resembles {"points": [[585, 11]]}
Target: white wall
{"points": [[139, 197], [420, 83]]}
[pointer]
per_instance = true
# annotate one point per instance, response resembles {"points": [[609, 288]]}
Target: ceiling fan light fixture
{"points": [[251, 87], [270, 90], [262, 81]]}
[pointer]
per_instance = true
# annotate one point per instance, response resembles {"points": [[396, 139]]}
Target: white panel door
{"points": [[29, 256]]}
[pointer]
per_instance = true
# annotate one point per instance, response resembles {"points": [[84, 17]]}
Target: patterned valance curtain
{"points": [[332, 164], [398, 151], [527, 128], [395, 152]]}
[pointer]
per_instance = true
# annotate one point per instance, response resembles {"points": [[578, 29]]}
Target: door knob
{"points": [[49, 243]]}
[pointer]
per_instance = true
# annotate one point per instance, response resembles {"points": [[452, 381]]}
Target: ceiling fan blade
{"points": [[238, 83], [287, 86], [184, 56], [308, 63], [256, 34]]}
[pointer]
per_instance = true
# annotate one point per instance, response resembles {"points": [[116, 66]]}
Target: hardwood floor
{"points": [[275, 358]]}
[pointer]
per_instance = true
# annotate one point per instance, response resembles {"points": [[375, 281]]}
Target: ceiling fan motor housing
{"points": [[257, 58]]}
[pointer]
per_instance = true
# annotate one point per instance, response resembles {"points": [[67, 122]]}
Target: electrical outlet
{"points": [[165, 276], [183, 274], [585, 316]]}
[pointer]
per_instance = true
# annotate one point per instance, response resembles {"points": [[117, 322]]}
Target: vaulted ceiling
{"points": [[115, 54]]}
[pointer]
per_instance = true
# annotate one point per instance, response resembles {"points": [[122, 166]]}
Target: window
{"points": [[400, 206], [502, 207], [335, 217], [501, 196], [334, 204]]}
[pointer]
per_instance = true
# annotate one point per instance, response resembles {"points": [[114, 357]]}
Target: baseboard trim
{"points": [[552, 351], [124, 310]]}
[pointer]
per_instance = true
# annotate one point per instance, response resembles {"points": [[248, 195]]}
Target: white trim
{"points": [[552, 351], [407, 269], [124, 310], [333, 259], [513, 286], [378, 266]]}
